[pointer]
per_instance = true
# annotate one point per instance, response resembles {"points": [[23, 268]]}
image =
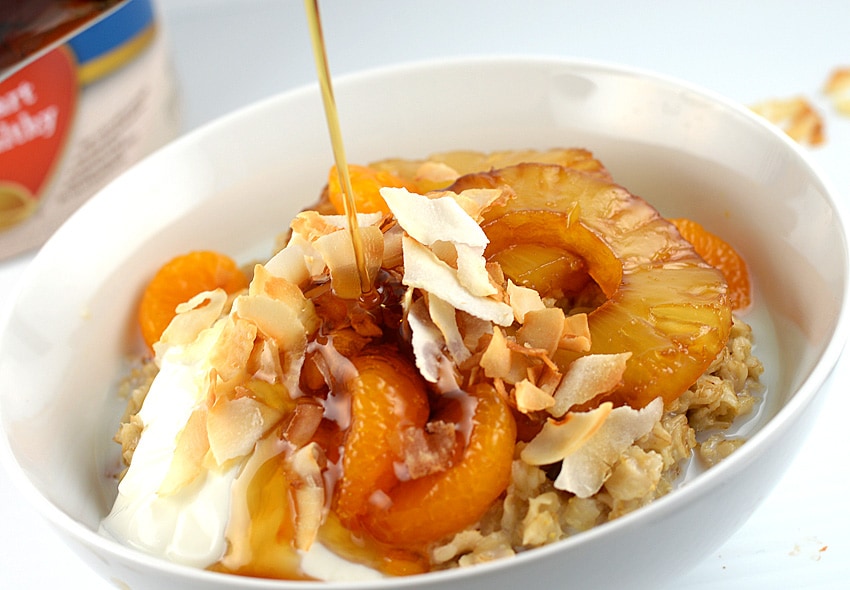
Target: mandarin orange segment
{"points": [[179, 280], [366, 183], [721, 255], [435, 506], [387, 396]]}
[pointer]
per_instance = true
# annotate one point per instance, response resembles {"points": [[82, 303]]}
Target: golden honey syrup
{"points": [[262, 531], [331, 113]]}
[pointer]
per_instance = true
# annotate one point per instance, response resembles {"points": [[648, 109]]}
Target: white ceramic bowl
{"points": [[234, 184]]}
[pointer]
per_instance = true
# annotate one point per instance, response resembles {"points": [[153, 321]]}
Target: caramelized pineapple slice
{"points": [[466, 162], [656, 297]]}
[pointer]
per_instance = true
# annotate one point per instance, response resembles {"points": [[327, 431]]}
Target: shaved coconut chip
{"points": [[436, 173], [560, 438], [445, 318], [363, 220], [267, 283], [445, 251], [265, 360], [584, 471], [298, 262], [576, 335], [235, 425], [530, 398], [473, 329], [500, 362], [393, 256], [308, 494], [543, 329], [426, 340], [427, 451], [496, 360], [431, 220], [312, 225], [472, 271], [281, 322], [477, 200], [523, 300], [229, 356], [425, 271], [337, 251], [587, 377], [303, 422], [275, 319], [193, 316], [264, 283], [192, 446]]}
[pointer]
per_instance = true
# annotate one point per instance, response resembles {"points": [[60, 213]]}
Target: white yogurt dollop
{"points": [[188, 527]]}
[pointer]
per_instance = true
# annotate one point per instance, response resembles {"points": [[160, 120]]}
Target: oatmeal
{"points": [[541, 352]]}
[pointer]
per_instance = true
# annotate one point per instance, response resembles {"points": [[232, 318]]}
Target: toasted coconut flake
{"points": [[796, 116], [280, 321], [275, 319], [425, 271], [308, 493], [444, 317], [435, 174], [587, 377], [472, 271], [441, 220], [194, 316], [500, 362], [304, 422], [560, 438], [523, 300], [192, 446], [312, 225], [576, 335], [431, 220], [234, 426], [543, 328], [530, 398], [230, 355], [426, 340], [277, 288], [298, 262], [837, 88], [265, 362], [337, 251], [393, 256], [427, 451], [584, 471], [477, 200]]}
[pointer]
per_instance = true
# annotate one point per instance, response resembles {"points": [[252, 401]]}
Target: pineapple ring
{"points": [[663, 302]]}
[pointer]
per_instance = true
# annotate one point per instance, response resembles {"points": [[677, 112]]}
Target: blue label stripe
{"points": [[125, 23]]}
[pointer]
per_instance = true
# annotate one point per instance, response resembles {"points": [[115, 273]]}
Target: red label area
{"points": [[36, 109]]}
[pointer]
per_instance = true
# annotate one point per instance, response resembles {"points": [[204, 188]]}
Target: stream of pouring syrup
{"points": [[320, 54]]}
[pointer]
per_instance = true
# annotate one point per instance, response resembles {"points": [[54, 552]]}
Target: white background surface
{"points": [[229, 53]]}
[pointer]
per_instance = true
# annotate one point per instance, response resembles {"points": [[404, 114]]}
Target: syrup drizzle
{"points": [[320, 55]]}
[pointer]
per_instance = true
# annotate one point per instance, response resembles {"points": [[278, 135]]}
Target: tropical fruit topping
{"points": [[532, 358]]}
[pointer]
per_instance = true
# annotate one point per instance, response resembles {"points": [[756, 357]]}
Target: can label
{"points": [[37, 106], [76, 115]]}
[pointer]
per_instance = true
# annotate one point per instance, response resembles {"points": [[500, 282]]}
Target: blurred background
{"points": [[228, 54]]}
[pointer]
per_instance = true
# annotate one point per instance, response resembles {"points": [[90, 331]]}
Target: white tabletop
{"points": [[229, 53]]}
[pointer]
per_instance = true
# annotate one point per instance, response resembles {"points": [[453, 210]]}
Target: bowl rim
{"points": [[770, 430]]}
